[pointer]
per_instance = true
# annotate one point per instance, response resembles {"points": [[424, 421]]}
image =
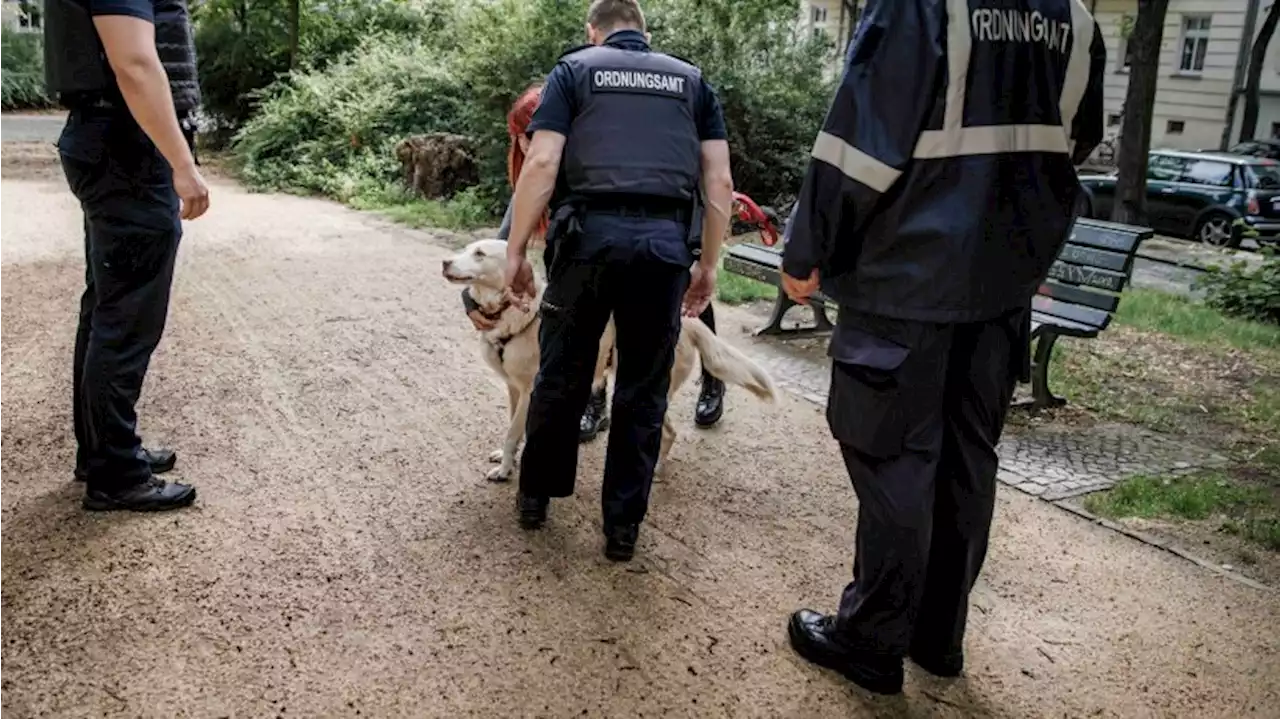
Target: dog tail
{"points": [[725, 362]]}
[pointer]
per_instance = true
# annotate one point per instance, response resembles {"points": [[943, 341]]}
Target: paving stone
{"points": [[1049, 462]]}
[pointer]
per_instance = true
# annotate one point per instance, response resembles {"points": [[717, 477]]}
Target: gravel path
{"points": [[346, 556]]}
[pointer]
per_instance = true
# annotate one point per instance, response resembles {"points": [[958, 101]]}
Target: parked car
{"points": [[1269, 149], [1200, 195]]}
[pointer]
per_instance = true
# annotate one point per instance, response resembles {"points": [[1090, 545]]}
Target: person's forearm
{"points": [[533, 192], [717, 192], [145, 88]]}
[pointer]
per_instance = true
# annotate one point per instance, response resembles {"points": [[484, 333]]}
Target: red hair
{"points": [[518, 120]]}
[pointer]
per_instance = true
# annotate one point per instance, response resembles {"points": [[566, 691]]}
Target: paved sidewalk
{"points": [[1052, 463]]}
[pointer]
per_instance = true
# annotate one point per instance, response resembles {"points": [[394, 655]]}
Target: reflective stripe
{"points": [[956, 140], [854, 163], [991, 140], [1076, 82]]}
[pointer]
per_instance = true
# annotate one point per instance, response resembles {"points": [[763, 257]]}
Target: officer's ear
{"points": [[593, 35], [648, 38]]}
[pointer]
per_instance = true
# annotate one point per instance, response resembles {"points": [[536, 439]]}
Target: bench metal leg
{"points": [[821, 323], [1041, 396]]}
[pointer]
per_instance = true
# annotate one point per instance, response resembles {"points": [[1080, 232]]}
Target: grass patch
{"points": [[1176, 366], [1192, 497], [464, 211], [734, 289], [1192, 322], [1246, 508]]}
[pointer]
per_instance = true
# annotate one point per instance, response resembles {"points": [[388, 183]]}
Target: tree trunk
{"points": [[1135, 134], [850, 7], [1257, 58], [295, 31]]}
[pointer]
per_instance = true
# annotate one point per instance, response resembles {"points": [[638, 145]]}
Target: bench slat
{"points": [[1066, 328], [756, 253], [1107, 236], [1080, 296], [1087, 276], [1090, 257], [755, 270], [1078, 314]]}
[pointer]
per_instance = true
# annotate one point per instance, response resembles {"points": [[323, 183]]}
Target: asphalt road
{"points": [[31, 128]]}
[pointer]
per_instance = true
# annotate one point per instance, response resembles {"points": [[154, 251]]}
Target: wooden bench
{"points": [[764, 264], [1077, 300], [1081, 294]]}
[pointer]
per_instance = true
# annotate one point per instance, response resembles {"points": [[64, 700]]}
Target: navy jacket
{"points": [[942, 184]]}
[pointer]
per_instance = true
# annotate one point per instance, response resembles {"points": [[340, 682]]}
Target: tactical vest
{"points": [[635, 130], [76, 67]]}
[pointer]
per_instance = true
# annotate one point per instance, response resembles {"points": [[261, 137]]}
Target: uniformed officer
{"points": [[931, 215], [620, 144], [126, 71]]}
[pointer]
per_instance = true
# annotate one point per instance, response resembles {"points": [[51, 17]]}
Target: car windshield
{"points": [[1264, 177]]}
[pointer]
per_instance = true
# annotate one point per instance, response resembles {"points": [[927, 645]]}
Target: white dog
{"points": [[511, 348]]}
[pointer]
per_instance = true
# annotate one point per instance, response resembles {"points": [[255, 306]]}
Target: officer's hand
{"points": [[519, 280], [192, 191], [481, 323], [702, 285], [800, 290]]}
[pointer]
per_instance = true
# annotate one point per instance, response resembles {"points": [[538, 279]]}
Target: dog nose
{"points": [[447, 265]]}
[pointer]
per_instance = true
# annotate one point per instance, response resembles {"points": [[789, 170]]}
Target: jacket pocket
{"points": [[864, 407]]}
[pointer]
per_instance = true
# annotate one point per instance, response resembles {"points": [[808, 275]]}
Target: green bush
{"points": [[22, 71], [1241, 290], [333, 131], [243, 45], [330, 127]]}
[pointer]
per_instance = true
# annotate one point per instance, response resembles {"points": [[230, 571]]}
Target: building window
{"points": [[30, 16], [1195, 42], [1275, 131], [1113, 120], [1175, 127], [817, 15]]}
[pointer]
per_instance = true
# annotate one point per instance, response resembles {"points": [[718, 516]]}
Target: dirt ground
{"points": [[347, 558]]}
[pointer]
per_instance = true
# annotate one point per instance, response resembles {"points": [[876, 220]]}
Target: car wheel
{"points": [[1215, 230]]}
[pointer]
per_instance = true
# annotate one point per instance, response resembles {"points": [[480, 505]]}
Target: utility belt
{"points": [[105, 103], [566, 219]]}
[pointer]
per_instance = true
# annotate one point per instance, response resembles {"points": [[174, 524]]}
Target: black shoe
{"points": [[710, 402], [161, 461], [947, 666], [596, 418], [533, 510], [153, 495], [620, 542], [813, 637]]}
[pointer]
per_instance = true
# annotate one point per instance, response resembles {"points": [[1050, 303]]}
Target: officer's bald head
{"points": [[605, 17]]}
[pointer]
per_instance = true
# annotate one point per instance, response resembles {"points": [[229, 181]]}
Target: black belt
{"points": [[642, 210]]}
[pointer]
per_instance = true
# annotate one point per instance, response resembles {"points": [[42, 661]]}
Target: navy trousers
{"points": [[132, 229], [644, 296], [918, 409]]}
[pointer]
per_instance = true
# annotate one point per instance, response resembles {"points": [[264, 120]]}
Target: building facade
{"points": [[1204, 56]]}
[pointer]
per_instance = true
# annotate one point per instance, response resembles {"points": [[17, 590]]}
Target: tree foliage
{"points": [[457, 67]]}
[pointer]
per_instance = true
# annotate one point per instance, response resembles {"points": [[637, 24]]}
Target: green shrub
{"points": [[243, 45], [333, 131], [330, 127], [1251, 292], [22, 71]]}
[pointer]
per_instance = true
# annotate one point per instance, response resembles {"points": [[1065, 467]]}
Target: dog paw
{"points": [[496, 456], [500, 474]]}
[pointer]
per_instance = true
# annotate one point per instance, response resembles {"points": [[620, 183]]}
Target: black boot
{"points": [[533, 510], [710, 402], [620, 541], [945, 665], [596, 418], [161, 461], [813, 637], [152, 495]]}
